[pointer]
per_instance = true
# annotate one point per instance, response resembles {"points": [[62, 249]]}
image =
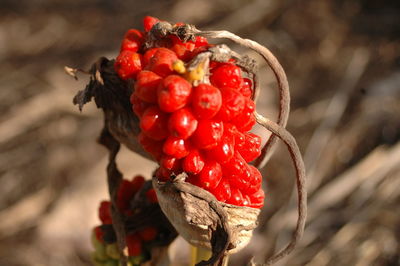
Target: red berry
{"points": [[134, 244], [223, 191], [246, 89], [208, 134], [250, 147], [200, 41], [245, 120], [176, 147], [125, 192], [255, 180], [257, 199], [173, 93], [193, 163], [149, 22], [148, 233], [148, 55], [170, 163], [128, 64], [146, 86], [137, 183], [223, 152], [206, 101], [138, 106], [182, 123], [151, 146], [151, 195], [132, 41], [154, 123], [163, 174], [99, 234], [161, 62], [105, 212], [232, 104], [226, 76], [210, 175], [236, 197], [237, 172], [246, 200]]}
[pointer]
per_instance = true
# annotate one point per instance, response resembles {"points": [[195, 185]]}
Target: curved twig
{"points": [[294, 151], [284, 95]]}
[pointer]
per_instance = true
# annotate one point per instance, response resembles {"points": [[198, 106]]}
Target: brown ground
{"points": [[343, 63]]}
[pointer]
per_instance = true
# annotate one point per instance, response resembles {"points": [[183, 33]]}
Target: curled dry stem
{"points": [[294, 151]]}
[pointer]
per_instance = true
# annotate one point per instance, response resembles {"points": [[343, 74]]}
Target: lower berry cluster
{"points": [[190, 123], [138, 243]]}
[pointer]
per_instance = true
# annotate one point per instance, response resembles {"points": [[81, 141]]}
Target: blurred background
{"points": [[342, 59]]}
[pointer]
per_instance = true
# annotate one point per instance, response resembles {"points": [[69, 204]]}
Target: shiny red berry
{"points": [[151, 146], [99, 233], [173, 93], [170, 163], [255, 181], [146, 86], [257, 199], [208, 134], [226, 76], [237, 172], [250, 148], [148, 55], [163, 174], [206, 101], [149, 22], [176, 147], [232, 104], [246, 89], [128, 64], [245, 120], [154, 123], [132, 41], [138, 106], [182, 123], [236, 197], [161, 62], [223, 191], [223, 152], [210, 175], [194, 162]]}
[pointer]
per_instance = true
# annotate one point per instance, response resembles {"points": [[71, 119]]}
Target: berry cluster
{"points": [[104, 238], [189, 125]]}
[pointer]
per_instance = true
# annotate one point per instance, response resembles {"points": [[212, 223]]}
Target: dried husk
{"points": [[190, 211]]}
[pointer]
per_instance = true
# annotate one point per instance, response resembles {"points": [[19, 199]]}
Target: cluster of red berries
{"points": [[188, 126], [104, 238]]}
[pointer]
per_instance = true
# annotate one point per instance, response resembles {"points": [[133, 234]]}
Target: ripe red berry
{"points": [[163, 174], [161, 62], [255, 181], [232, 104], [208, 134], [132, 41], [223, 152], [246, 89], [223, 191], [151, 195], [126, 191], [226, 76], [146, 86], [138, 106], [105, 212], [134, 244], [154, 123], [137, 183], [176, 147], [99, 234], [182, 123], [194, 162], [206, 101], [173, 93], [236, 197], [170, 163], [210, 175], [148, 233], [237, 172], [128, 64], [257, 199], [151, 146], [148, 55], [250, 147], [245, 120], [149, 22]]}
